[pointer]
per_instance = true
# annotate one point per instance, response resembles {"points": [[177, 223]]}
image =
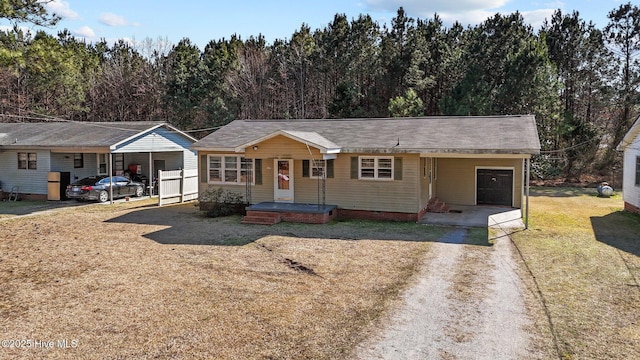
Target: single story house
{"points": [[40, 159], [630, 146], [393, 168]]}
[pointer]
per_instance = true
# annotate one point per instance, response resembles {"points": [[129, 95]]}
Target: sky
{"points": [[205, 20]]}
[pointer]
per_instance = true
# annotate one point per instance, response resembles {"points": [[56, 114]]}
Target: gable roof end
{"points": [[308, 138], [72, 134], [633, 132]]}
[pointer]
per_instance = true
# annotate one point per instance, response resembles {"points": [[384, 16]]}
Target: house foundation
{"points": [[631, 208]]}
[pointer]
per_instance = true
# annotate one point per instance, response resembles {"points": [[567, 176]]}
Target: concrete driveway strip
{"points": [[466, 304]]}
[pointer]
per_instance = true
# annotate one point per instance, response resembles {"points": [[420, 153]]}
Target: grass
{"points": [[10, 209], [126, 282], [131, 280], [584, 254]]}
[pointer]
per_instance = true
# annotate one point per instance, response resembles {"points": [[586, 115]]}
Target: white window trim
{"points": [[106, 163], [28, 161], [76, 157], [376, 168], [222, 169], [323, 167]]}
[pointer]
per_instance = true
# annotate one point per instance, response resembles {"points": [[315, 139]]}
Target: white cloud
{"points": [[428, 8], [466, 17], [127, 40], [85, 32], [61, 8], [113, 19], [8, 28], [466, 12], [536, 17]]}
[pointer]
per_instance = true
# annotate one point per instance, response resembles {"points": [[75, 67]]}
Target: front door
{"points": [[158, 165], [283, 182]]}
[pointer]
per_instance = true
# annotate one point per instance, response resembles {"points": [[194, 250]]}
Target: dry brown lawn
{"points": [[584, 254], [132, 280], [135, 281]]}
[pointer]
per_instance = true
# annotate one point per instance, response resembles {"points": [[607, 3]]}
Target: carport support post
{"points": [[111, 177], [151, 175]]}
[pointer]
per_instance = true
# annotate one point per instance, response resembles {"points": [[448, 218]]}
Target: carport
{"points": [[33, 155], [477, 216]]}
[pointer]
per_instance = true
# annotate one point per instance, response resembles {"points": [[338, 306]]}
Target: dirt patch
{"points": [[290, 263]]}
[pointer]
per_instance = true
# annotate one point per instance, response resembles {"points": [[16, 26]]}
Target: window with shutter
{"points": [[376, 168], [229, 169]]}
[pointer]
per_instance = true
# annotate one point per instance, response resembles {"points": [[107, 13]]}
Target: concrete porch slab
{"points": [[477, 216], [263, 213], [292, 207]]}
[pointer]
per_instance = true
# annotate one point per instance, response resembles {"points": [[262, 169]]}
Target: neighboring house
{"points": [[630, 146], [31, 152], [373, 168]]}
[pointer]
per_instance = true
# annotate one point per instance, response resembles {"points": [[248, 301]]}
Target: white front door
{"points": [[283, 182]]}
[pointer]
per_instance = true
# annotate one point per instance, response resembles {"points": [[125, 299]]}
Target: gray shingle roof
{"points": [[443, 134], [70, 134]]}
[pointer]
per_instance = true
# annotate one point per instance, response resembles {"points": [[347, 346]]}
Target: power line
{"points": [[568, 148], [49, 118]]}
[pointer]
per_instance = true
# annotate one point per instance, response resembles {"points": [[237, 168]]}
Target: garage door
{"points": [[495, 187]]}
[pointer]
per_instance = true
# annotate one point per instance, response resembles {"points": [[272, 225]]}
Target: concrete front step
{"points": [[437, 206], [261, 218]]}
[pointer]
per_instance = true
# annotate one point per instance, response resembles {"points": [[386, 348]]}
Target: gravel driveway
{"points": [[467, 303]]}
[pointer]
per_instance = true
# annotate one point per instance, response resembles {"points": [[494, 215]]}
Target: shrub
{"points": [[216, 202]]}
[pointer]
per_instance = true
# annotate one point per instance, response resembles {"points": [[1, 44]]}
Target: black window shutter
{"points": [[305, 168], [258, 174], [397, 168], [329, 164], [637, 170], [354, 167], [204, 169]]}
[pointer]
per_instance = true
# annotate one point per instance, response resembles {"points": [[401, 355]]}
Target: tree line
{"points": [[582, 83]]}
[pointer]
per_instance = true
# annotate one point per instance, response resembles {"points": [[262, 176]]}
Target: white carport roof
{"points": [[81, 136]]}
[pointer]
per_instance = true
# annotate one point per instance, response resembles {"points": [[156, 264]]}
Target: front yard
{"points": [[584, 254], [132, 280]]}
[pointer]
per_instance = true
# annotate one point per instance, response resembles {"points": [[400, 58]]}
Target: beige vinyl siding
{"points": [[264, 192], [282, 147], [259, 193], [372, 195], [347, 193], [457, 179]]}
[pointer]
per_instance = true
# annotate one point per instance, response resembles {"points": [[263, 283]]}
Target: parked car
{"points": [[97, 188]]}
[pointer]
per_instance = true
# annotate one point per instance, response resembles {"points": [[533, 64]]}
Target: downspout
{"points": [[526, 220]]}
